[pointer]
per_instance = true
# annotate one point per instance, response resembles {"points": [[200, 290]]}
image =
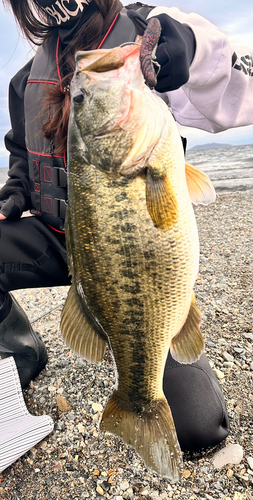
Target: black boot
{"points": [[197, 404], [18, 339]]}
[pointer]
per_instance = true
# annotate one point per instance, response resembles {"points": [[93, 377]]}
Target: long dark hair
{"points": [[37, 27], [32, 19]]}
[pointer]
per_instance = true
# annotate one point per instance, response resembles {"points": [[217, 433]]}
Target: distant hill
{"points": [[211, 145]]}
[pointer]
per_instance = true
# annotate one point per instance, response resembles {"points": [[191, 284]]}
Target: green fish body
{"points": [[132, 246]]}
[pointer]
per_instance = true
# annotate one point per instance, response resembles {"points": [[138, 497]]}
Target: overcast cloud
{"points": [[233, 18]]}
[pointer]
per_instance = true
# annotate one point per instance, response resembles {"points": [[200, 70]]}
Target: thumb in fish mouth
{"points": [[100, 61]]}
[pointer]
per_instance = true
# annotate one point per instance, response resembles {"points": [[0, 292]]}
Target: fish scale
{"points": [[132, 245]]}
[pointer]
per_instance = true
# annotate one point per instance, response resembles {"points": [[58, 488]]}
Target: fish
{"points": [[132, 246]]}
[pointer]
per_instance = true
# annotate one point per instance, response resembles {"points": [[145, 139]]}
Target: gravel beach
{"points": [[77, 461]]}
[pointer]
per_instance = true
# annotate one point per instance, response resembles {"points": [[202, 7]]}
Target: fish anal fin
{"points": [[200, 187], [188, 345], [161, 200], [78, 332], [151, 433]]}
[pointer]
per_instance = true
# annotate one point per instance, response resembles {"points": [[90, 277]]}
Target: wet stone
{"points": [[230, 454]]}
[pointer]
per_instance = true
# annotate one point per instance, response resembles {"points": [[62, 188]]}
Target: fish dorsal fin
{"points": [[78, 332], [200, 187], [188, 345]]}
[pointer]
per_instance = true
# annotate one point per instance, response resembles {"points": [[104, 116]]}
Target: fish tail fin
{"points": [[151, 433], [200, 187]]}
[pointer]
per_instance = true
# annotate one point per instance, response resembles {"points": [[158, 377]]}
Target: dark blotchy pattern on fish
{"points": [[122, 281]]}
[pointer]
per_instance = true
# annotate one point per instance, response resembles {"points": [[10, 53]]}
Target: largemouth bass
{"points": [[132, 246]]}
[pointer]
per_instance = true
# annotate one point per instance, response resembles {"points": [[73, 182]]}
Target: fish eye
{"points": [[78, 96]]}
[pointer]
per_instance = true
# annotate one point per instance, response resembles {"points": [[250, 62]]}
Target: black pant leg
{"points": [[32, 255], [197, 404]]}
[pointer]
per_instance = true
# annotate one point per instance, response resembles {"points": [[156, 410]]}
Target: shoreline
{"points": [[78, 461]]}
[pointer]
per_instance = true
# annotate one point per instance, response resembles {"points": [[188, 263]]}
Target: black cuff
{"points": [[10, 209], [175, 53]]}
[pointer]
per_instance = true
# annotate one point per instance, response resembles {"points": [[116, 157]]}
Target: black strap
{"points": [[54, 175]]}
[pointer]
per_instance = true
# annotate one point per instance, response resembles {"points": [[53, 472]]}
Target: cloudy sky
{"points": [[233, 18]]}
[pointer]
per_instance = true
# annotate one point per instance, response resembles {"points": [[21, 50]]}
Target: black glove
{"points": [[10, 209], [175, 50]]}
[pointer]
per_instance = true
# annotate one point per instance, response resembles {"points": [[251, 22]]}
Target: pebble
{"points": [[97, 407], [71, 416], [62, 404], [228, 357], [219, 374], [229, 364], [231, 454], [51, 388], [248, 336], [241, 496], [186, 474], [239, 350], [154, 495], [250, 462], [81, 428], [124, 486], [100, 490]]}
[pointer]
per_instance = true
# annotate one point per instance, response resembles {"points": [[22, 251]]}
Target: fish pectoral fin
{"points": [[160, 199], [188, 345], [200, 187], [151, 433], [78, 332]]}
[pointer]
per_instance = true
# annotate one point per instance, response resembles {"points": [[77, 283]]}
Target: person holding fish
{"points": [[197, 71]]}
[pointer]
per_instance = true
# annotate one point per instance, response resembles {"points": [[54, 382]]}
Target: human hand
{"points": [[175, 50], [2, 217]]}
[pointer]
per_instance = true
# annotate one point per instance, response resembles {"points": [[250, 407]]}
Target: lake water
{"points": [[230, 169], [3, 175]]}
